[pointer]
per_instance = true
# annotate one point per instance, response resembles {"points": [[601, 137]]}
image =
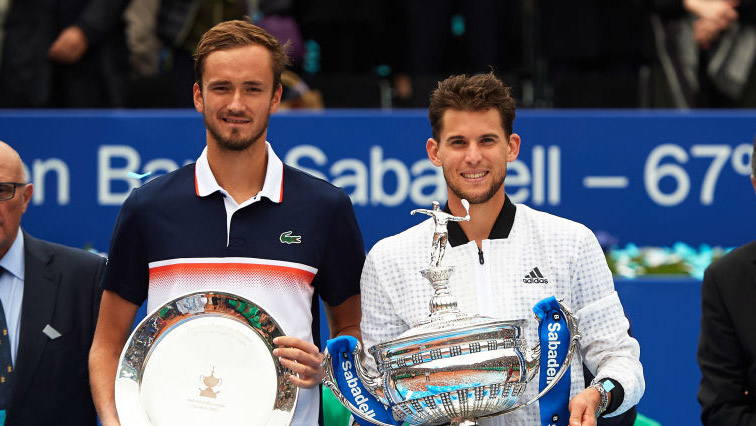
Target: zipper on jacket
{"points": [[480, 255]]}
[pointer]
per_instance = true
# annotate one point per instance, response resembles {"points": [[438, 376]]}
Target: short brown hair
{"points": [[238, 33], [476, 93]]}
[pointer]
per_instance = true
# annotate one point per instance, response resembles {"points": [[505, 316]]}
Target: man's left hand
{"points": [[583, 408], [302, 358]]}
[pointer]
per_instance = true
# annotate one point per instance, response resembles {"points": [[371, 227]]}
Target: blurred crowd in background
{"points": [[389, 53]]}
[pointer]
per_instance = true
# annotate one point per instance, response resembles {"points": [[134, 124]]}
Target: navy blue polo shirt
{"points": [[169, 240], [297, 238]]}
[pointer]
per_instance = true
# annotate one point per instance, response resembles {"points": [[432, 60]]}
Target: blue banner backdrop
{"points": [[652, 178]]}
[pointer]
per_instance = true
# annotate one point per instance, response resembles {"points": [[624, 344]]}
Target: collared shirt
{"points": [[12, 289], [168, 241], [272, 187], [501, 227]]}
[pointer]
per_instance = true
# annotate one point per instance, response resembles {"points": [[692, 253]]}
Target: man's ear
{"points": [[26, 196], [199, 103], [432, 147], [275, 102], [514, 147], [753, 182]]}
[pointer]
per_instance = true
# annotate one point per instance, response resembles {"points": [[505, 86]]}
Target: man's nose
{"points": [[236, 103], [473, 154]]}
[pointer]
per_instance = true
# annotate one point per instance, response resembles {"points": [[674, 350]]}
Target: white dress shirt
{"points": [[12, 289]]}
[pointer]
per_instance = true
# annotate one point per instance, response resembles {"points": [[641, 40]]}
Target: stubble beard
{"points": [[235, 144], [471, 198]]}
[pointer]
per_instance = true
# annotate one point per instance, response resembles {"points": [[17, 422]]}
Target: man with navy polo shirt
{"points": [[238, 220]]}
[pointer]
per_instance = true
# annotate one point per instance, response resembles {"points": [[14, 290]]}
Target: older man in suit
{"points": [[50, 296], [727, 345]]}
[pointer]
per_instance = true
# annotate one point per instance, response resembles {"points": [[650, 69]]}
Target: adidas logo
{"points": [[535, 277]]}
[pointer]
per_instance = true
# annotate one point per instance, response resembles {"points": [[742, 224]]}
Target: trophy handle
{"points": [[370, 383], [574, 338]]}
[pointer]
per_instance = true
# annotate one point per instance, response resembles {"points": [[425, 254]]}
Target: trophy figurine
{"points": [[451, 367], [441, 233]]}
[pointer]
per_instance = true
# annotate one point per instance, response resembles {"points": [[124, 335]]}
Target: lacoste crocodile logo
{"points": [[287, 238]]}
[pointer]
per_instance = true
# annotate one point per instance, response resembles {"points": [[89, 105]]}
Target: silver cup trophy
{"points": [[451, 367]]}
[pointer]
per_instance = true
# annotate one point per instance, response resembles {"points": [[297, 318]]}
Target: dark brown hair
{"points": [[238, 33], [476, 93]]}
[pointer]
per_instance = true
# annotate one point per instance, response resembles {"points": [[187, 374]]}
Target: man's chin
{"points": [[476, 197], [235, 145], [234, 142]]}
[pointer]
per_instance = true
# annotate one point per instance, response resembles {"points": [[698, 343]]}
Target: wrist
{"points": [[603, 387]]}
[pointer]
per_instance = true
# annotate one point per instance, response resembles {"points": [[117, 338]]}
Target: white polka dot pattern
{"points": [[565, 253]]}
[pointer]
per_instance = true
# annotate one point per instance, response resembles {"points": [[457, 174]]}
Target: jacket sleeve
{"points": [[724, 395], [666, 8], [101, 17]]}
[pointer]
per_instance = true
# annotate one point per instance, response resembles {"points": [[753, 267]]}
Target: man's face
{"points": [[12, 210], [237, 96], [473, 151]]}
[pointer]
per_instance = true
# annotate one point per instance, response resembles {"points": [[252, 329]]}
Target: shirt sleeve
{"points": [[127, 272], [607, 348], [339, 276]]}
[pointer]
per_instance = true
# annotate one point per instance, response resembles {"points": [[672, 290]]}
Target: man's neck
{"points": [[240, 173], [482, 216]]}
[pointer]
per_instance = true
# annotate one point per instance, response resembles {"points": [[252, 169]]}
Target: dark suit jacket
{"points": [[727, 346], [62, 289]]}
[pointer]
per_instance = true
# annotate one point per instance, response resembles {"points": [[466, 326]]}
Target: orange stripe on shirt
{"points": [[161, 272]]}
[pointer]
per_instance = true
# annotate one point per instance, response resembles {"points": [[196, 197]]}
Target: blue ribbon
{"points": [[345, 372], [554, 335]]}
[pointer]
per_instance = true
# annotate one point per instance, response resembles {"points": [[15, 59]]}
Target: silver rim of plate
{"points": [[204, 358]]}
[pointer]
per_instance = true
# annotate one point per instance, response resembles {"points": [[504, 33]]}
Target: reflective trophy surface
{"points": [[451, 367], [204, 358]]}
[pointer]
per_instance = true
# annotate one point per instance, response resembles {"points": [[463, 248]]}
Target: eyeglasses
{"points": [[8, 190]]}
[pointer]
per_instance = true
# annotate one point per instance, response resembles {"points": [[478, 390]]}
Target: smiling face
{"points": [[237, 96], [473, 150]]}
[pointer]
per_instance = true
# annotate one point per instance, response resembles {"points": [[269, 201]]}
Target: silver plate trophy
{"points": [[451, 367], [205, 358]]}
